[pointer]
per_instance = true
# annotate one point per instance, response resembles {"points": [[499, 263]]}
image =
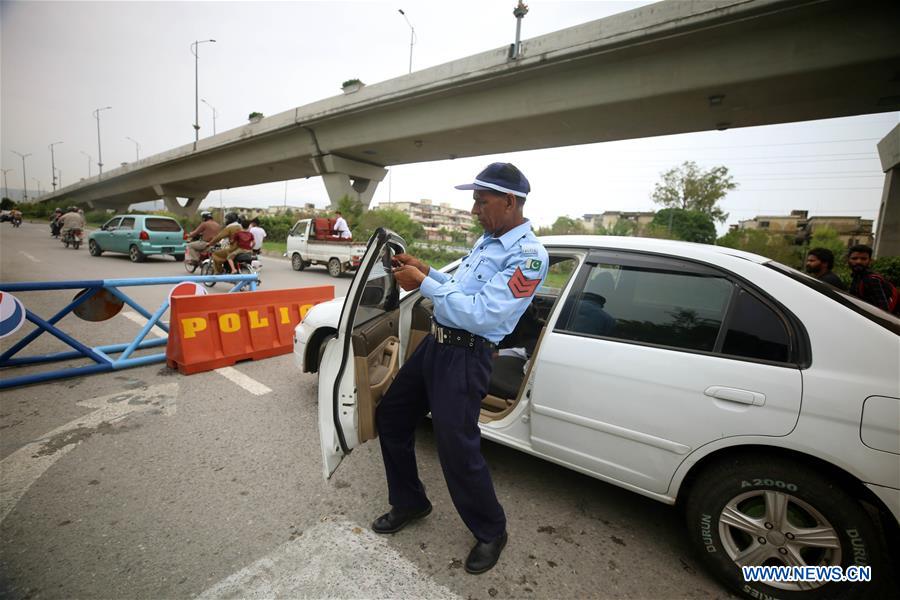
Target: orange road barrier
{"points": [[209, 332]]}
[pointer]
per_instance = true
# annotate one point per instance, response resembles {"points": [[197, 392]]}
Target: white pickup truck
{"points": [[304, 249]]}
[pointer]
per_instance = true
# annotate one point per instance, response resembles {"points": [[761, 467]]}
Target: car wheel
{"points": [[335, 268], [178, 257], [207, 269], [135, 254], [753, 511], [297, 262], [321, 352], [94, 248]]}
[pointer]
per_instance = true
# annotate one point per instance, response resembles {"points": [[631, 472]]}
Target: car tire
{"points": [[135, 254], [178, 257], [321, 350], [335, 268], [729, 511], [297, 262], [207, 269], [94, 248]]}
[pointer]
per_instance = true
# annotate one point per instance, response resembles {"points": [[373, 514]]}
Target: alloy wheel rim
{"points": [[768, 527]]}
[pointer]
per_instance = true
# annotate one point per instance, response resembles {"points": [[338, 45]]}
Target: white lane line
{"points": [[246, 382], [22, 468], [29, 257], [141, 320], [331, 560]]}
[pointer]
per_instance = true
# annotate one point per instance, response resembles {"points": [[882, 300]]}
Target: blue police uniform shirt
{"points": [[492, 286]]}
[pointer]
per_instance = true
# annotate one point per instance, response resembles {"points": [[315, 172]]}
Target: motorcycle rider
{"points": [[202, 236], [15, 215], [71, 221], [232, 226], [54, 222]]}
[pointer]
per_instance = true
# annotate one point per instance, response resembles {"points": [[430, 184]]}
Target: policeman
{"points": [[449, 372]]}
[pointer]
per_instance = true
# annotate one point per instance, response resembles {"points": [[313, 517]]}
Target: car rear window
{"points": [[876, 315], [161, 224]]}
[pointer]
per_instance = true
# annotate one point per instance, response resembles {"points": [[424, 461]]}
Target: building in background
{"points": [[801, 227], [609, 219], [281, 209], [440, 221]]}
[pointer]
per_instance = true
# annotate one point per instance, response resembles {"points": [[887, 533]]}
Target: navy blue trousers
{"points": [[449, 381]]}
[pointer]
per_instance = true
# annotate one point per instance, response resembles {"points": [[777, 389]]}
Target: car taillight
{"points": [[144, 235]]}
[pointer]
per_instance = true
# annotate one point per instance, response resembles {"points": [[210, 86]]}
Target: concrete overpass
{"points": [[672, 67]]}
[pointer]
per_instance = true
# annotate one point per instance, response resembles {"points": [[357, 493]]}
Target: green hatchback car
{"points": [[139, 236]]}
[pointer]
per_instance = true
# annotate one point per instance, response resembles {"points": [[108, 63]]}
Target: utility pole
{"points": [[24, 178], [519, 12], [214, 112], [137, 148], [53, 165], [89, 162], [194, 51], [6, 187], [99, 151], [412, 37]]}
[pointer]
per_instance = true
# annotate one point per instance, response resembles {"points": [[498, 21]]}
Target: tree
{"points": [[397, 221], [622, 227], [563, 226], [351, 210], [757, 241], [687, 225], [7, 204], [688, 188]]}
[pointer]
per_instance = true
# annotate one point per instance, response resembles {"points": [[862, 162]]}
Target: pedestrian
{"points": [[449, 372], [201, 235], [819, 264], [259, 234], [868, 285], [341, 229]]}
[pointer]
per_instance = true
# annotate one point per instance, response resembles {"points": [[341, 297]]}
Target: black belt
{"points": [[459, 337]]}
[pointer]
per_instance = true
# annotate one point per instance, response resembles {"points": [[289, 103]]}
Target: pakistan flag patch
{"points": [[533, 264]]}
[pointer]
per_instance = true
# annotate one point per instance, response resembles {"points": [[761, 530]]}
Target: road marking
{"points": [[22, 468], [331, 560], [29, 257], [141, 320], [248, 383]]}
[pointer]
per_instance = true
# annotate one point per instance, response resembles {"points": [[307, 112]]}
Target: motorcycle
{"points": [[247, 263], [73, 237], [55, 226], [205, 254], [16, 221]]}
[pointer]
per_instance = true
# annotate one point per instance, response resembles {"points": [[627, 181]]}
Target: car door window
{"points": [[112, 224], [756, 331], [127, 223], [381, 293], [667, 308]]}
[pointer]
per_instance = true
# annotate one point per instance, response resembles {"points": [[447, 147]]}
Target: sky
{"points": [[61, 60]]}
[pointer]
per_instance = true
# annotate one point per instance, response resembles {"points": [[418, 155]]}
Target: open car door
{"points": [[358, 366]]}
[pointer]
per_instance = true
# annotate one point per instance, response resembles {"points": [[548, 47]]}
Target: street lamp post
{"points": [[137, 148], [214, 111], [194, 51], [38, 181], [24, 178], [53, 165], [5, 186], [412, 37], [99, 152], [89, 161], [519, 13]]}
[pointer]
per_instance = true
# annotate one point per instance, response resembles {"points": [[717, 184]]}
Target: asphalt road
{"points": [[148, 484]]}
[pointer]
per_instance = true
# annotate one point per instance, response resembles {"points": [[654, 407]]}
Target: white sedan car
{"points": [[760, 400]]}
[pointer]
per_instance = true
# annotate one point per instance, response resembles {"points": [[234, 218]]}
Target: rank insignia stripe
{"points": [[521, 286]]}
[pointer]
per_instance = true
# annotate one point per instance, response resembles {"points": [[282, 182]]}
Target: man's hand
{"points": [[409, 277], [402, 260]]}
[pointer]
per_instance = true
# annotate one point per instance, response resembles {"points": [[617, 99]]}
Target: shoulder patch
{"points": [[521, 286], [533, 264]]}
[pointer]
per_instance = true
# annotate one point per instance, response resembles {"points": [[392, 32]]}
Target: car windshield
{"points": [[160, 224], [876, 315]]}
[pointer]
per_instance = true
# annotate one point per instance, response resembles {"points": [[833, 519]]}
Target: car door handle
{"points": [[735, 395]]}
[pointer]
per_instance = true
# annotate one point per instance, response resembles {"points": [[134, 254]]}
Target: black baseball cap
{"points": [[500, 177]]}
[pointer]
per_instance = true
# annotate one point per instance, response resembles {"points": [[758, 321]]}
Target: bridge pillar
{"points": [[887, 236], [170, 197], [345, 177]]}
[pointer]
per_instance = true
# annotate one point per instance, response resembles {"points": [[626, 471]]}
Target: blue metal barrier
{"points": [[103, 362]]}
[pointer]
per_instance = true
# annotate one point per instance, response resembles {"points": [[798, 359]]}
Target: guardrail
{"points": [[93, 289]]}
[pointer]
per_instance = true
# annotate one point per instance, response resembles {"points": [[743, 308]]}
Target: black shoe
{"points": [[485, 555], [398, 518]]}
